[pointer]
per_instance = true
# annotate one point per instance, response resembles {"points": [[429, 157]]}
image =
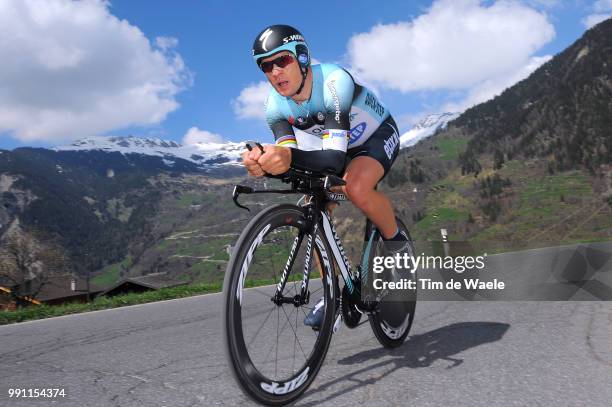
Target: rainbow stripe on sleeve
{"points": [[286, 141]]}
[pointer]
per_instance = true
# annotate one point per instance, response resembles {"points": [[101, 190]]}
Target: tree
{"points": [[417, 175], [28, 264], [498, 159], [469, 163]]}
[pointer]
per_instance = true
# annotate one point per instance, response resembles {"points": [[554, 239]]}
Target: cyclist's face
{"points": [[287, 80]]}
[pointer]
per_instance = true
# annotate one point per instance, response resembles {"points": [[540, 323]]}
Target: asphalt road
{"points": [[459, 353]]}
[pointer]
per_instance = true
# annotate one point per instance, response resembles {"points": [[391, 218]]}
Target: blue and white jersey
{"points": [[339, 115]]}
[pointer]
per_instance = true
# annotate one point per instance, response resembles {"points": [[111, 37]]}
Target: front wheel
{"points": [[273, 356], [392, 319]]}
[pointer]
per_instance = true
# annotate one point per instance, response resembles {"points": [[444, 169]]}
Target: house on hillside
{"points": [[6, 300], [10, 303], [54, 290], [67, 288], [153, 281]]}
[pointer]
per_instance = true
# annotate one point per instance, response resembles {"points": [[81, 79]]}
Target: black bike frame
{"points": [[316, 218]]}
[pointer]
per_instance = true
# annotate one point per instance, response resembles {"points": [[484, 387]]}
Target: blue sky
{"points": [[102, 69]]}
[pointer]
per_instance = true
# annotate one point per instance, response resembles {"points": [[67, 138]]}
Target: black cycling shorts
{"points": [[383, 145]]}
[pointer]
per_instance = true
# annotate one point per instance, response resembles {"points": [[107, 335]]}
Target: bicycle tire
{"points": [[257, 385], [391, 321]]}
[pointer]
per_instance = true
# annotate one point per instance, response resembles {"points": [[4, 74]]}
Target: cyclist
{"points": [[339, 120]]}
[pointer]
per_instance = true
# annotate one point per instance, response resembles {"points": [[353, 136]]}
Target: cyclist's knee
{"points": [[359, 194]]}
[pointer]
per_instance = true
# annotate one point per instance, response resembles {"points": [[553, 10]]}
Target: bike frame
{"points": [[320, 220], [316, 218]]}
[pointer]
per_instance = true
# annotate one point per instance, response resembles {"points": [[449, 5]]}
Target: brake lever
{"points": [[241, 189], [249, 146], [333, 180]]}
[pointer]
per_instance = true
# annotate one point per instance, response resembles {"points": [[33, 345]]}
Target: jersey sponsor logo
{"points": [[332, 89], [391, 143], [264, 38], [294, 37], [316, 130], [371, 101], [357, 132], [328, 134]]}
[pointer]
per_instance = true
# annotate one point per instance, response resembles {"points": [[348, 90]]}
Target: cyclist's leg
{"points": [[361, 176], [370, 162]]}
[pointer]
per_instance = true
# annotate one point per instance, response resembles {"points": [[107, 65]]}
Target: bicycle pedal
{"points": [[367, 307], [338, 323]]}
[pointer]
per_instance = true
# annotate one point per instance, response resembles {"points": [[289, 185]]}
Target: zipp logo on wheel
{"points": [[276, 388]]}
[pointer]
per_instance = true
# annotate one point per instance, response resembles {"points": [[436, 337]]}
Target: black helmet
{"points": [[277, 38]]}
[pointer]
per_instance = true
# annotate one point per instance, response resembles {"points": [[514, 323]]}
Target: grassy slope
{"points": [[198, 221], [538, 209]]}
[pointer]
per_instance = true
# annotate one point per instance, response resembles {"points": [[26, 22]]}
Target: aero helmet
{"points": [[278, 38]]}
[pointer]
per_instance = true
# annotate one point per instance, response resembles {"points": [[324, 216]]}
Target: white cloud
{"points": [[195, 136], [602, 10], [602, 5], [250, 104], [594, 19], [546, 4], [166, 42], [71, 69], [480, 93], [456, 44], [492, 87]]}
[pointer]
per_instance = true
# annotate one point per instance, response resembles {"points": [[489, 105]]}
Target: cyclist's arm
{"points": [[316, 161], [282, 130]]}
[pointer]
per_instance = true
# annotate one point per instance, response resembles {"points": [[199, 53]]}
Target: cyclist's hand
{"points": [[249, 159], [276, 160]]}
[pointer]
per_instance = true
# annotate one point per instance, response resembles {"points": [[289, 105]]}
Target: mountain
{"points": [[533, 163], [209, 156], [205, 156], [425, 128], [530, 168], [562, 112]]}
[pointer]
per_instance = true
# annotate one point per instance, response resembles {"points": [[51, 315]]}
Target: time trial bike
{"points": [[287, 257]]}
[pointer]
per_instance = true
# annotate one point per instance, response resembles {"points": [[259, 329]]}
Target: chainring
{"points": [[350, 314]]}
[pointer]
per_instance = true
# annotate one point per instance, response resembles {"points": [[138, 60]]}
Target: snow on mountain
{"points": [[203, 155], [425, 128], [207, 155]]}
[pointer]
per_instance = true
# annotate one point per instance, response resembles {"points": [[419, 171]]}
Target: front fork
{"points": [[310, 229]]}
